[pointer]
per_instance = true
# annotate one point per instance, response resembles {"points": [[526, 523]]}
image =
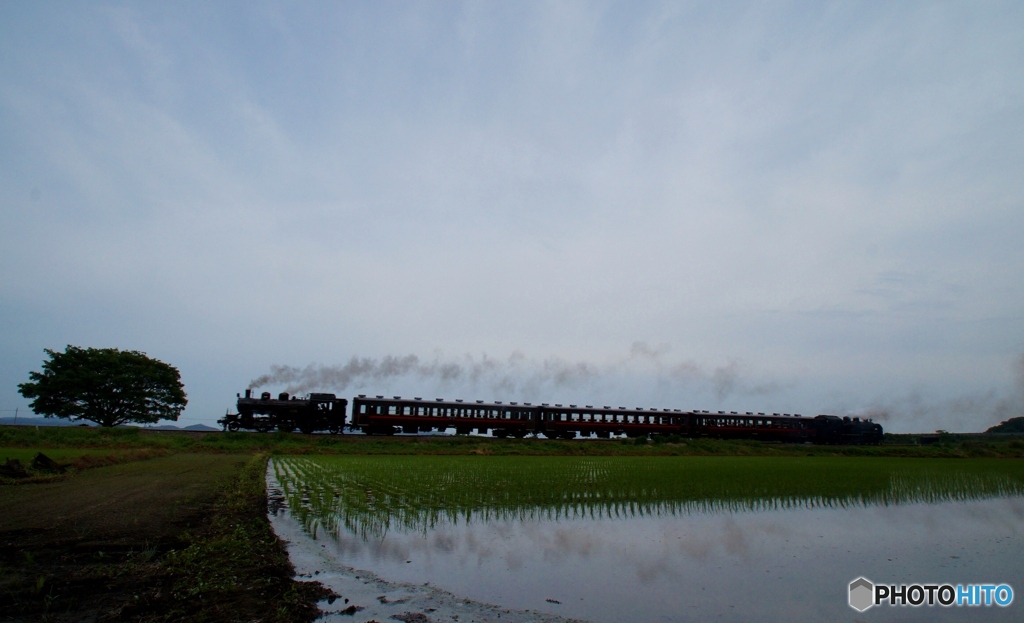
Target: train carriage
{"points": [[781, 427], [383, 416], [566, 422]]}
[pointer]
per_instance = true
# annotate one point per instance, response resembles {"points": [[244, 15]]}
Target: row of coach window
{"points": [[750, 423], [617, 418], [512, 414], [585, 417], [449, 412]]}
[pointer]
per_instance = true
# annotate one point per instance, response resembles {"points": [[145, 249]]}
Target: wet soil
{"points": [[181, 537], [360, 596]]}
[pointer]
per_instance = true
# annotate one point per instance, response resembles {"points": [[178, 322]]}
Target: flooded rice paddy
{"points": [[647, 538]]}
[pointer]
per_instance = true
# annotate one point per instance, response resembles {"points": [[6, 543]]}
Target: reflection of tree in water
{"points": [[368, 496]]}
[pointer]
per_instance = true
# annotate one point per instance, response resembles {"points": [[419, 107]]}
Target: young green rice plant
{"points": [[369, 496]]}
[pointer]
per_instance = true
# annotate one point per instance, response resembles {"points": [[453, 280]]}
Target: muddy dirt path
{"points": [[181, 537]]}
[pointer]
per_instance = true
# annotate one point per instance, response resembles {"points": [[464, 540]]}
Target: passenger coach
{"points": [[385, 416]]}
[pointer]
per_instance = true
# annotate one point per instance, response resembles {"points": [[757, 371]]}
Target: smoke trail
{"points": [[516, 374], [966, 413], [724, 380], [510, 374], [316, 376], [1013, 405]]}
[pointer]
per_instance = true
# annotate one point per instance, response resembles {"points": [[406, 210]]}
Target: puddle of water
{"points": [[676, 539], [365, 597]]}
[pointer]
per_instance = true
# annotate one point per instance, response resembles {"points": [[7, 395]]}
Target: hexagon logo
{"points": [[861, 593]]}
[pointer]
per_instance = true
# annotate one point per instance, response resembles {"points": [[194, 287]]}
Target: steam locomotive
{"points": [[317, 412], [387, 416]]}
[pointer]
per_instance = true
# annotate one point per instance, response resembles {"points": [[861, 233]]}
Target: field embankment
{"points": [[945, 446], [178, 537]]}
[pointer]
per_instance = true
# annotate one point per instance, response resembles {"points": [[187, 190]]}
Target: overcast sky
{"points": [[776, 206]]}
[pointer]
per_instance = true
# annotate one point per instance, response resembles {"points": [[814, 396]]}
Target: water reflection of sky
{"points": [[790, 563]]}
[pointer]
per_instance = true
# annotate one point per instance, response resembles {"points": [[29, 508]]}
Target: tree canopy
{"points": [[106, 386]]}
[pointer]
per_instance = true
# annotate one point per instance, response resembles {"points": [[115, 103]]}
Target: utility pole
{"points": [[16, 415]]}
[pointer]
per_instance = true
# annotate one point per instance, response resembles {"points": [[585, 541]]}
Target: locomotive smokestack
{"points": [[248, 393]]}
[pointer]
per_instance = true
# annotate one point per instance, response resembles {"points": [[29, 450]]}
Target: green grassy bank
{"points": [[951, 446]]}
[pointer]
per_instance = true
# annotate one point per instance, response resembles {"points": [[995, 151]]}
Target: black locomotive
{"points": [[387, 416], [317, 412]]}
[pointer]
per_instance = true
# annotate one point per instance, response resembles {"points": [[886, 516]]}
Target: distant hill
{"points": [[53, 421], [40, 421], [1012, 425], [198, 427]]}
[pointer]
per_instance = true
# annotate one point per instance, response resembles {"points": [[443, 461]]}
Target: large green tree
{"points": [[106, 386]]}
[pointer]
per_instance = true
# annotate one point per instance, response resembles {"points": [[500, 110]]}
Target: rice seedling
{"points": [[369, 496]]}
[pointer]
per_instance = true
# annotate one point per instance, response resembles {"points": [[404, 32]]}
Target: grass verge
{"points": [[235, 568], [950, 446], [71, 461]]}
